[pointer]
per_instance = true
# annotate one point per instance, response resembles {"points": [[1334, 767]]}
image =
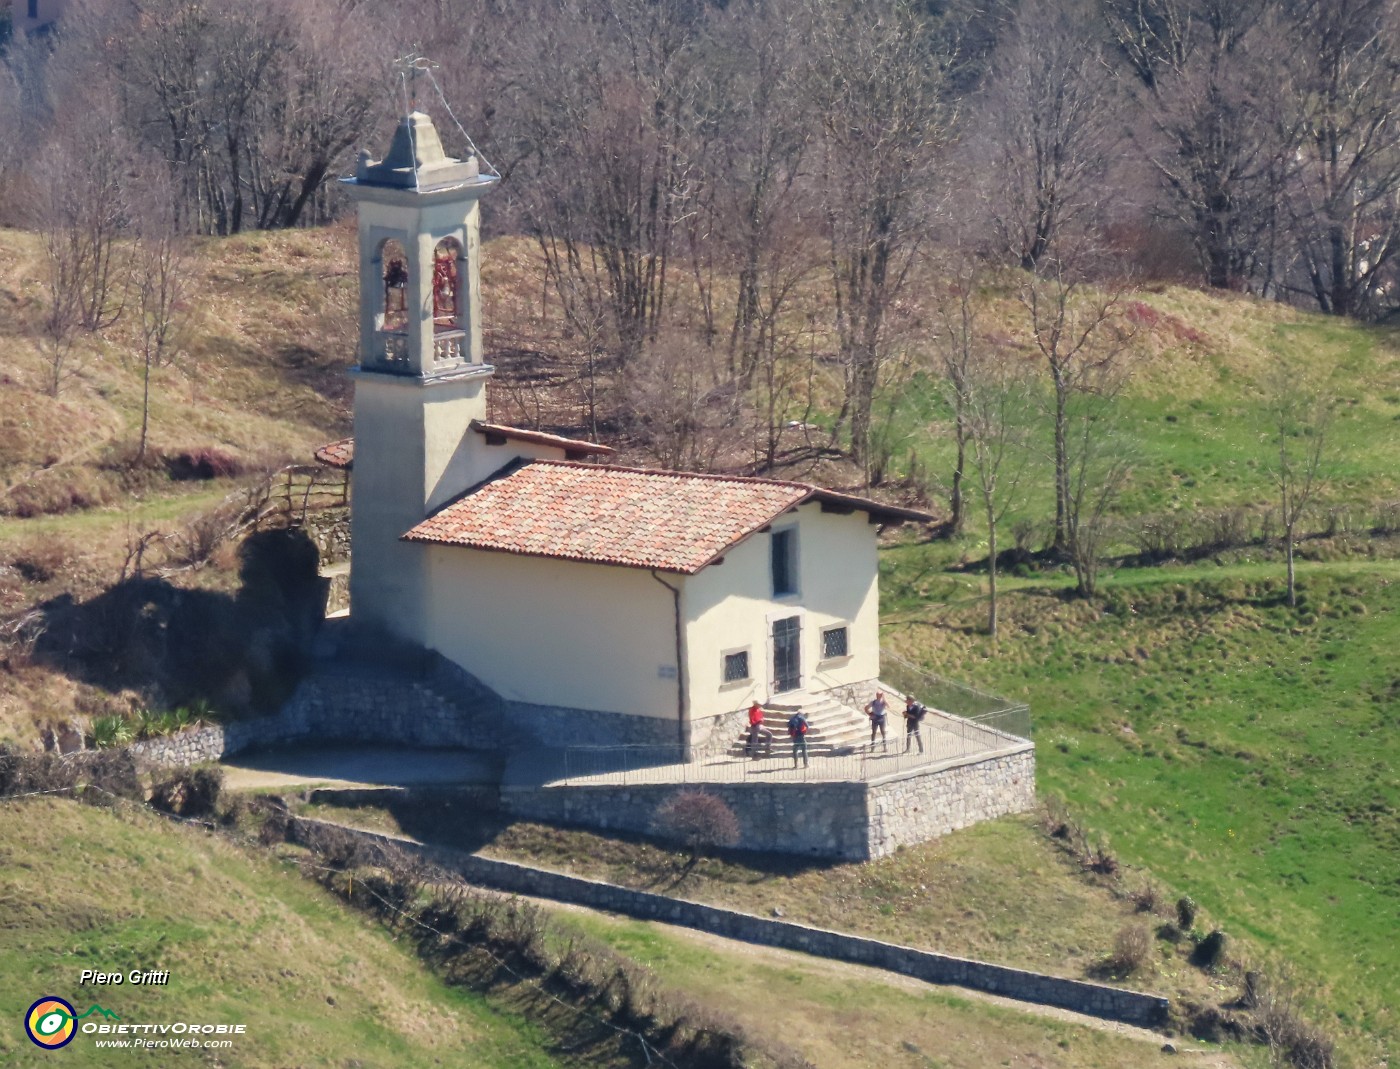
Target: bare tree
{"points": [[683, 405], [1050, 111], [1082, 336], [956, 341], [161, 284], [877, 81], [1299, 409], [1099, 462], [1208, 79], [994, 394], [607, 179], [1343, 196], [83, 211]]}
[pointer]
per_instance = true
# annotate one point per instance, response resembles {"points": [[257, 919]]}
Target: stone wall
{"points": [[854, 821], [560, 726], [913, 807], [815, 818], [1098, 1000]]}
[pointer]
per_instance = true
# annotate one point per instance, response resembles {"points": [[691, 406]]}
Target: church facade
{"points": [[632, 605]]}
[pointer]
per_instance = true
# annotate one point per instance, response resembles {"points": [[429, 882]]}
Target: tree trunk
{"points": [[145, 408], [955, 500], [992, 573], [1288, 555], [1061, 463]]}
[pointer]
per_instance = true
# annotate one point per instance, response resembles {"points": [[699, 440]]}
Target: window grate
{"points": [[736, 666], [836, 642]]}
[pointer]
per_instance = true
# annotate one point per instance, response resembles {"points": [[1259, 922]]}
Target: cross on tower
{"points": [[410, 67]]}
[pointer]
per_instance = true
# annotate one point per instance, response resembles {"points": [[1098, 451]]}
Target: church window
{"points": [[783, 554], [446, 278]]}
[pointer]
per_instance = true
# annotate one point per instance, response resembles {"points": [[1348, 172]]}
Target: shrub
{"points": [[205, 462], [1132, 949], [112, 730], [1210, 951], [1147, 898], [40, 559], [1186, 912], [699, 819], [190, 792]]}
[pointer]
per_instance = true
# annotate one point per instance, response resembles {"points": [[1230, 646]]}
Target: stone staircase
{"points": [[833, 727]]}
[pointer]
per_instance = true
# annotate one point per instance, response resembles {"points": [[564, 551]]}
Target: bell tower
{"points": [[420, 379]]}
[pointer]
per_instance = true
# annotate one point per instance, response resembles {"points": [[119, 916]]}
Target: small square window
{"points": [[836, 643], [736, 666]]}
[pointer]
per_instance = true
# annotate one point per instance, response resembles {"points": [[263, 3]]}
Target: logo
{"points": [[52, 1022]]}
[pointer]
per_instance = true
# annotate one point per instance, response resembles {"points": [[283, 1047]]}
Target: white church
{"points": [[637, 606]]}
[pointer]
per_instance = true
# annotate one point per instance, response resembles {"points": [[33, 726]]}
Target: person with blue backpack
{"points": [[797, 730], [914, 713]]}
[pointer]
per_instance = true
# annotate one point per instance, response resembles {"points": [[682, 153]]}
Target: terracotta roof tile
{"points": [[339, 454], [669, 521], [571, 446]]}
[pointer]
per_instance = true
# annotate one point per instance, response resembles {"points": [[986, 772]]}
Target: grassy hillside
{"points": [[1193, 417], [1245, 753], [245, 940]]}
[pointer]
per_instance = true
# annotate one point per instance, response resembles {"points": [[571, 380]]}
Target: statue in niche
{"points": [[445, 286]]}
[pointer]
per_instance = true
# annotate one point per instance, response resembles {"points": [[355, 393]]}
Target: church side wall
{"points": [[555, 633], [730, 607]]}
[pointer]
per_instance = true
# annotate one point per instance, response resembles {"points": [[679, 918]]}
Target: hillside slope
{"points": [[245, 941]]}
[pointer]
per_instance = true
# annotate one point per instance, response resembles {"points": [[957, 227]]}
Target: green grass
{"points": [[1193, 416], [245, 939], [841, 1016], [997, 891], [1245, 753]]}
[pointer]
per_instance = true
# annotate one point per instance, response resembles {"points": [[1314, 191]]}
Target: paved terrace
{"points": [[948, 741]]}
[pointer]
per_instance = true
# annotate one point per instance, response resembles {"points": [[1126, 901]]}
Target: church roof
{"points": [[574, 448], [664, 520]]}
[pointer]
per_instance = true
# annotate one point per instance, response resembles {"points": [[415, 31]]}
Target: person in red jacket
{"points": [[756, 731]]}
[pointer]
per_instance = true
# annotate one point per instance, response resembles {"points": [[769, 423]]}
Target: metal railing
{"points": [[945, 739], [959, 699], [963, 722]]}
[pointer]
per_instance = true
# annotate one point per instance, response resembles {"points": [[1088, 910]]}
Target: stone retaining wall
{"points": [[854, 821], [1097, 1000], [821, 819], [913, 807]]}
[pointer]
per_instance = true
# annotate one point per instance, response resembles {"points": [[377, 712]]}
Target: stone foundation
{"points": [[853, 821]]}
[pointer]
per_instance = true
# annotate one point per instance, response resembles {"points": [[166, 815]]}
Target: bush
{"points": [[1186, 912], [700, 820], [40, 559], [1147, 898], [1132, 949], [190, 792], [1210, 951], [205, 462], [112, 730]]}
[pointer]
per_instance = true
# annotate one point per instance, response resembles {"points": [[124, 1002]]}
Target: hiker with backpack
{"points": [[797, 730], [876, 710], [914, 713]]}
